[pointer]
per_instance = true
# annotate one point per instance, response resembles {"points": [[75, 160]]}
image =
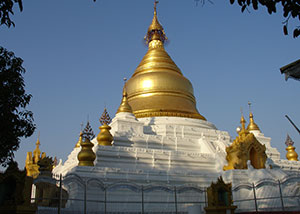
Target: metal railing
{"points": [[177, 201], [284, 202]]}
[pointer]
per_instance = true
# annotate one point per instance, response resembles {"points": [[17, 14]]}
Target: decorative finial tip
{"points": [[38, 140], [155, 3], [249, 104], [155, 30], [88, 133], [289, 141], [124, 87], [105, 118], [243, 121], [81, 125]]}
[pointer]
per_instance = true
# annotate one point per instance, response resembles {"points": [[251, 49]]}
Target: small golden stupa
{"points": [[31, 163], [124, 106], [244, 148], [79, 140], [157, 87], [104, 137], [86, 156], [252, 126], [291, 154]]}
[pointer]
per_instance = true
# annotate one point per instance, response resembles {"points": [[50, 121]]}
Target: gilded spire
{"points": [[124, 106], [243, 122], [243, 132], [155, 30], [252, 125], [38, 143], [79, 140], [37, 151], [158, 88], [291, 154], [80, 137]]}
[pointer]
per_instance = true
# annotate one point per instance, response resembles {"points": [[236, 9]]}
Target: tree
{"points": [[6, 8], [291, 9], [16, 121]]}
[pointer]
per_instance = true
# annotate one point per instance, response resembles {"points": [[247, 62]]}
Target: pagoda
{"points": [[159, 137]]}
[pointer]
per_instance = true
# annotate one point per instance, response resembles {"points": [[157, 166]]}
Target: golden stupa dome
{"points": [[252, 125], [157, 87]]}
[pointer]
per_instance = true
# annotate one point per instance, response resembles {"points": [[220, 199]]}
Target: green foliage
{"points": [[6, 8], [291, 9], [16, 121]]}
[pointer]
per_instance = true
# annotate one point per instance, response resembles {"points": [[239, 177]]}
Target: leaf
{"points": [[274, 7], [269, 10], [20, 5], [285, 31], [294, 13], [255, 4], [243, 8], [296, 33], [285, 13]]}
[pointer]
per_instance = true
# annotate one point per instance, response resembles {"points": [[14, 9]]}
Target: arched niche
{"points": [[244, 148]]}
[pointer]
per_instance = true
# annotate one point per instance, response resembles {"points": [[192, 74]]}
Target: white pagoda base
{"points": [[169, 151]]}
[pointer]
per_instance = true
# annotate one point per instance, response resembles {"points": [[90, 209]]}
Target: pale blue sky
{"points": [[76, 54]]}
